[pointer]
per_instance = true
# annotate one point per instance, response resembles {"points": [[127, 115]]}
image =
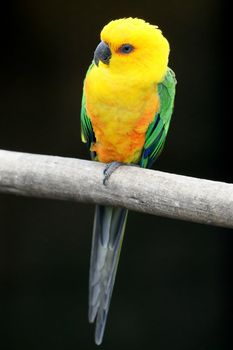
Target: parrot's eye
{"points": [[126, 48]]}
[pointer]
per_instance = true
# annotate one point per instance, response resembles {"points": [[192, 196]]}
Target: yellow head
{"points": [[134, 49]]}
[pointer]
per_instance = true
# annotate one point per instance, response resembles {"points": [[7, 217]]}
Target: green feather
{"points": [[157, 130], [87, 133]]}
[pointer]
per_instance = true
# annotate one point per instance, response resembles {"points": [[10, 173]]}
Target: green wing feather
{"points": [[87, 133], [157, 131]]}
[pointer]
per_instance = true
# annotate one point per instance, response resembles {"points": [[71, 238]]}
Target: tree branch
{"points": [[143, 190]]}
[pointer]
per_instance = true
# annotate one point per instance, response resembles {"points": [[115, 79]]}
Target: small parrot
{"points": [[127, 103]]}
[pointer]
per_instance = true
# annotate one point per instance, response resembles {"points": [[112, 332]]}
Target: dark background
{"points": [[173, 284]]}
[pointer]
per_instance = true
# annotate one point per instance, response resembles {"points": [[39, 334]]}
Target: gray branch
{"points": [[143, 190]]}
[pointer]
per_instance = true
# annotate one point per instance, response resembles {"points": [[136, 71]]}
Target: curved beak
{"points": [[102, 53]]}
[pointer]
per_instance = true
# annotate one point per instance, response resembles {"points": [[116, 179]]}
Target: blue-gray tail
{"points": [[108, 232]]}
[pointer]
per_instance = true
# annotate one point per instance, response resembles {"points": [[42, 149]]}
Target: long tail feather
{"points": [[108, 232]]}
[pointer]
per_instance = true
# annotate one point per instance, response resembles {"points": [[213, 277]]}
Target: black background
{"points": [[173, 284]]}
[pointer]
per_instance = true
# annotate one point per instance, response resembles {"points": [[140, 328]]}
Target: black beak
{"points": [[102, 53]]}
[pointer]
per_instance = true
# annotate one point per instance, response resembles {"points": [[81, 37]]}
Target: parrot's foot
{"points": [[109, 169]]}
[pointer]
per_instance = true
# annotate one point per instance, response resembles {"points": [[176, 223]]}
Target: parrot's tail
{"points": [[108, 232]]}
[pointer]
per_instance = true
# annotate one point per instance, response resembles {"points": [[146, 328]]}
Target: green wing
{"points": [[87, 133], [157, 131]]}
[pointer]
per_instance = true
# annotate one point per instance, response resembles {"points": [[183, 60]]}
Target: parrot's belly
{"points": [[120, 136], [120, 117]]}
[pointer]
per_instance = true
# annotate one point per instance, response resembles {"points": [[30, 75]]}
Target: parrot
{"points": [[127, 104]]}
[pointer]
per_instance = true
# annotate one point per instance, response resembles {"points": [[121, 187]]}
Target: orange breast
{"points": [[119, 141]]}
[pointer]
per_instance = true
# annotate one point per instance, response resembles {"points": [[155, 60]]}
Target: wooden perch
{"points": [[143, 190]]}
